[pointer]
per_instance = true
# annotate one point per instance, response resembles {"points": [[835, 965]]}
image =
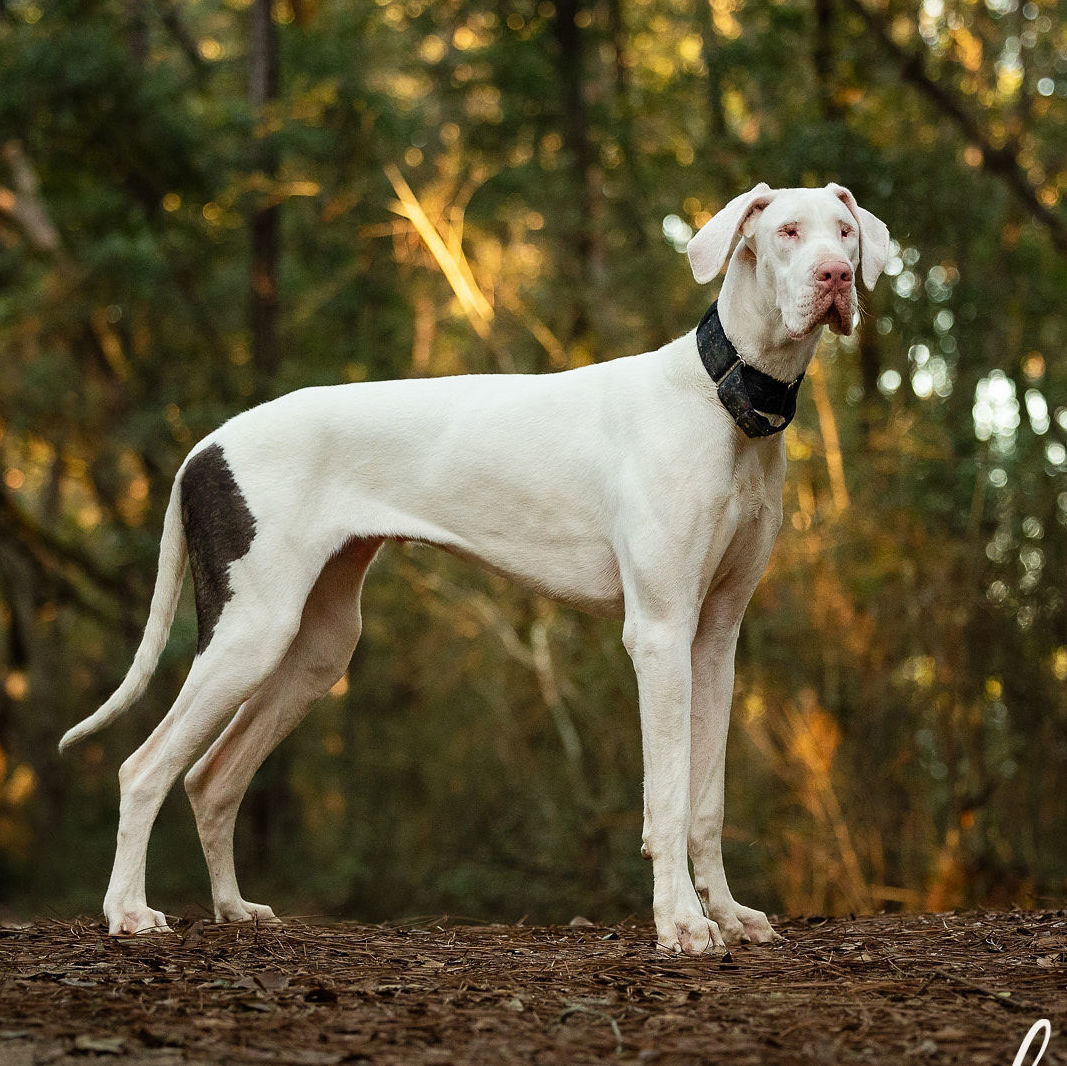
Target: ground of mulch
{"points": [[883, 989]]}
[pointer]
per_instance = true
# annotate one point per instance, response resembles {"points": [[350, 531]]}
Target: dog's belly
{"points": [[553, 541], [587, 579], [555, 546]]}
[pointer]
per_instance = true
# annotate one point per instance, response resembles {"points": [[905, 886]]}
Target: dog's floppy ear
{"points": [[874, 236], [711, 247]]}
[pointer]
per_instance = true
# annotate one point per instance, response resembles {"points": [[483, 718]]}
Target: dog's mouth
{"points": [[836, 312], [833, 309], [839, 323]]}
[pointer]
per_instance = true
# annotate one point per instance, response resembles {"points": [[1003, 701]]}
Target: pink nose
{"points": [[833, 274]]}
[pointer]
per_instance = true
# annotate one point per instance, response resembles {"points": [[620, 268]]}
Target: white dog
{"points": [[648, 487]]}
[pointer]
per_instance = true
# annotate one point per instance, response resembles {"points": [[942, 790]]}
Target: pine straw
{"points": [[887, 989]]}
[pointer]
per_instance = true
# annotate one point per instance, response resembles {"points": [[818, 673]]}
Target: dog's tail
{"points": [[171, 574]]}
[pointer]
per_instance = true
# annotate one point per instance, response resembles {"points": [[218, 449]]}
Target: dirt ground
{"points": [[936, 988]]}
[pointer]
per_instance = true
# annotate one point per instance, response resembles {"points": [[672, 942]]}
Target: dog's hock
{"points": [[711, 247]]}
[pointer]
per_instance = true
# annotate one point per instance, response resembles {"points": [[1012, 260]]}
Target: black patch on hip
{"points": [[219, 528]]}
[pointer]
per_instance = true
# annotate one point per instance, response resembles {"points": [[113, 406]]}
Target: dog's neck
{"points": [[753, 322]]}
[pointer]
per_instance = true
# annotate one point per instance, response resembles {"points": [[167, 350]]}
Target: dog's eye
{"points": [[790, 231], [846, 231]]}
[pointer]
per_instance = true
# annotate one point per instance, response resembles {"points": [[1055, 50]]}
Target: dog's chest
{"points": [[757, 481]]}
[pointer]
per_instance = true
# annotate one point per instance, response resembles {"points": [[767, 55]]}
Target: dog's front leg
{"points": [[714, 648], [660, 649]]}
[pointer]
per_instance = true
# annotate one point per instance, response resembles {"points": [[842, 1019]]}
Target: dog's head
{"points": [[805, 246]]}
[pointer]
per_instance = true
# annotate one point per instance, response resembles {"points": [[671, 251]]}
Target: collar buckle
{"points": [[729, 370]]}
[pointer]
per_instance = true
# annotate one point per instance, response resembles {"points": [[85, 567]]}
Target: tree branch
{"points": [[23, 207], [1001, 161], [55, 558], [171, 18]]}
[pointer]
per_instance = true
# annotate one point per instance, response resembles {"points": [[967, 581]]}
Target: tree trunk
{"points": [[270, 804], [823, 59], [575, 129], [634, 204], [137, 32], [265, 220], [716, 112]]}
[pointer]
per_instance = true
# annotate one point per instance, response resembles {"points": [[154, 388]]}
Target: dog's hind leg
{"points": [[246, 646], [320, 653]]}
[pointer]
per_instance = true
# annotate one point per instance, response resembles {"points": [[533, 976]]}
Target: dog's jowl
{"points": [[648, 487]]}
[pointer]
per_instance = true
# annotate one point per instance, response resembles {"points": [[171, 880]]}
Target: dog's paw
{"points": [[243, 911], [689, 936], [757, 928], [739, 925], [132, 921]]}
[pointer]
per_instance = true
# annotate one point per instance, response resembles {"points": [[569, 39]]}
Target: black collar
{"points": [[743, 390]]}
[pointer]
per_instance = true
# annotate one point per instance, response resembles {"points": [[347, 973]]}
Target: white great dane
{"points": [[624, 488]]}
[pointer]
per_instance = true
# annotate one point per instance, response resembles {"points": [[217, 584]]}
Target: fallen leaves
{"points": [[878, 990]]}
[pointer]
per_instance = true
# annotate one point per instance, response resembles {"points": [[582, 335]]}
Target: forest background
{"points": [[209, 203]]}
